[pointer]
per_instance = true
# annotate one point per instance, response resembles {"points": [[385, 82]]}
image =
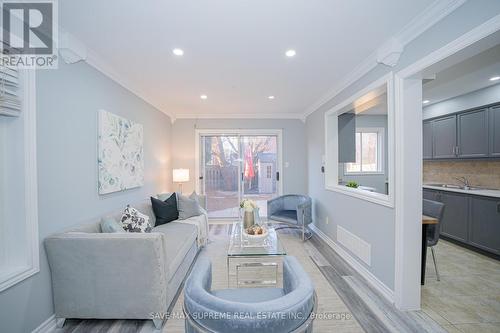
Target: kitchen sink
{"points": [[458, 187]]}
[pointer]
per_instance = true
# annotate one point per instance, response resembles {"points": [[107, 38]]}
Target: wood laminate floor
{"points": [[344, 297]]}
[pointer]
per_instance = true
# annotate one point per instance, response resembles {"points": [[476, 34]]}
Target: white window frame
{"points": [[16, 272], [380, 152], [332, 151], [236, 132]]}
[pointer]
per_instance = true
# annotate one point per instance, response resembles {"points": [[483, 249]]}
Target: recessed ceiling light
{"points": [[425, 101], [290, 53], [495, 78], [203, 96], [270, 97], [178, 52]]}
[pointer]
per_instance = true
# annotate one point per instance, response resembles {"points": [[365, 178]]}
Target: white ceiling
{"points": [[463, 77], [234, 50]]}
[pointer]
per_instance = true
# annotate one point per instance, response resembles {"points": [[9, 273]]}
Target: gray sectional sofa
{"points": [[120, 275]]}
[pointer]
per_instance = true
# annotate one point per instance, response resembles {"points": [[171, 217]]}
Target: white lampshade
{"points": [[180, 175]]}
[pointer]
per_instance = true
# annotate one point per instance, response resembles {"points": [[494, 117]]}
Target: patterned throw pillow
{"points": [[134, 221]]}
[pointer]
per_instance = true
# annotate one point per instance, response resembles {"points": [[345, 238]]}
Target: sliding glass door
{"points": [[260, 173], [238, 166]]}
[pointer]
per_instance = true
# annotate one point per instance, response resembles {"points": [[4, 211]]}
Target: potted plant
{"points": [[352, 184]]}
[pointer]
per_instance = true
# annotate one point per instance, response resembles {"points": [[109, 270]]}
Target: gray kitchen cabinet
{"points": [[470, 219], [494, 120], [472, 136], [347, 137], [429, 194], [427, 136], [485, 223], [455, 218], [444, 134]]}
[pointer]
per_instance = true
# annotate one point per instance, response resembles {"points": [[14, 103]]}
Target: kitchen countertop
{"points": [[484, 193]]}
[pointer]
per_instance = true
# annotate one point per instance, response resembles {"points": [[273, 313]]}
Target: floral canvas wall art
{"points": [[121, 160]]}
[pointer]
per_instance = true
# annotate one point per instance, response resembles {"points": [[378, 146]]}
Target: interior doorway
{"points": [[412, 95], [233, 165]]}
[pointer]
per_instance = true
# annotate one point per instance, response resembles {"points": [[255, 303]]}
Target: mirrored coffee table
{"points": [[253, 264]]}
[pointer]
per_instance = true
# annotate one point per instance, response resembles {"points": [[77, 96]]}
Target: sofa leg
{"points": [[60, 322], [158, 323]]}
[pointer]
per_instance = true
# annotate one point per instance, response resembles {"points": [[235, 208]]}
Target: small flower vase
{"points": [[248, 219]]}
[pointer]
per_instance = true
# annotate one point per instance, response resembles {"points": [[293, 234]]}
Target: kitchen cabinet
{"points": [[485, 226], [347, 137], [470, 219], [455, 217], [494, 120], [472, 136], [427, 133], [464, 135], [444, 137], [430, 194]]}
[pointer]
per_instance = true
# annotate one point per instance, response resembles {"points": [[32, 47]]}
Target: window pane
{"points": [[369, 153], [356, 167]]}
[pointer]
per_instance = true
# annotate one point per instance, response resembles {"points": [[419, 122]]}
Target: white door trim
{"points": [[406, 288], [238, 132]]}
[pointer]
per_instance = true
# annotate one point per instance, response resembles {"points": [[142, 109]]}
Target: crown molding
{"points": [[96, 61], [241, 116], [389, 52], [79, 51]]}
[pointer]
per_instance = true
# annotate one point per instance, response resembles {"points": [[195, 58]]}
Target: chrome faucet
{"points": [[465, 181]]}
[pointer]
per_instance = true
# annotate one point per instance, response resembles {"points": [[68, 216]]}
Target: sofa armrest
{"points": [[108, 275]]}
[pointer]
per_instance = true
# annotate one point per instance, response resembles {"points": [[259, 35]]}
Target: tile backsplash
{"points": [[480, 173]]}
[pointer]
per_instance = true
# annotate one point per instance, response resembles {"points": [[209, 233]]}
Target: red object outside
{"points": [[249, 172]]}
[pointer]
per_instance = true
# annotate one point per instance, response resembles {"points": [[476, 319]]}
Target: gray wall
{"points": [[471, 100], [375, 223], [294, 146], [377, 181], [67, 103]]}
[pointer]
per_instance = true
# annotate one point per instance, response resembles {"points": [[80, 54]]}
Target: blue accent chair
{"points": [[249, 310], [292, 209]]}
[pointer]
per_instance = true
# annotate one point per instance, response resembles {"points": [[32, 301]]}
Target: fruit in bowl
{"points": [[256, 232]]}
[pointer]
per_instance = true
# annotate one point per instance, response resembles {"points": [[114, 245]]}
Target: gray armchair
{"points": [[292, 209], [248, 310]]}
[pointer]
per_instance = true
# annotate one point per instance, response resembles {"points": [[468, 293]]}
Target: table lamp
{"points": [[180, 176]]}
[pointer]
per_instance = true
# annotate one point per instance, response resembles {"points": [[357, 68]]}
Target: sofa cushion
{"points": [[109, 224], [164, 196], [289, 216], [249, 295], [179, 237], [134, 221], [188, 207], [165, 211]]}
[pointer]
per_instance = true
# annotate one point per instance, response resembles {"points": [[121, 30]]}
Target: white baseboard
{"points": [[372, 279], [48, 326]]}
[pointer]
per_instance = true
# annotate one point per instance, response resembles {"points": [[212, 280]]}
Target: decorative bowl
{"points": [[256, 237]]}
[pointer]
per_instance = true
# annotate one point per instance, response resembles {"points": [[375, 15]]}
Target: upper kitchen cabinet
{"points": [[463, 135], [427, 132], [472, 134], [444, 137], [494, 120]]}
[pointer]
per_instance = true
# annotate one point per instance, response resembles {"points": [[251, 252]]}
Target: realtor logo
{"points": [[29, 34]]}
